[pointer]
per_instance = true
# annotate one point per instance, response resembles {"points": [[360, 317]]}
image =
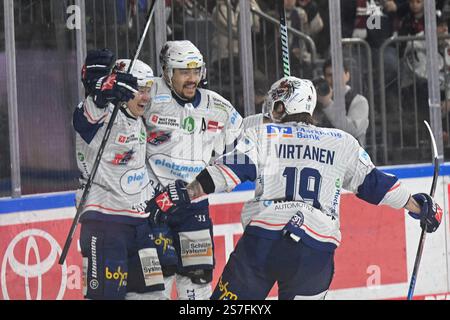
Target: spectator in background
{"points": [[415, 68], [315, 22], [222, 50], [356, 120], [185, 10], [414, 21]]}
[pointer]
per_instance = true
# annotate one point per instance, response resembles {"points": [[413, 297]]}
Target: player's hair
{"points": [[299, 117]]}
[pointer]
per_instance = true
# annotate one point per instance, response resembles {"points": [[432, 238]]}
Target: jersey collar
{"points": [[182, 102]]}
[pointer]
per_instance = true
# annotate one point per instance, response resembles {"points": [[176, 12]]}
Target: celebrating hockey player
{"points": [[187, 128], [291, 228], [119, 259]]}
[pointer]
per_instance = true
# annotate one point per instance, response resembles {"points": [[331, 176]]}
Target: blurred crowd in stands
{"points": [[213, 25]]}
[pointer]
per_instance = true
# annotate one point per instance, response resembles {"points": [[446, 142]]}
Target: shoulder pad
{"points": [[253, 121], [219, 102]]}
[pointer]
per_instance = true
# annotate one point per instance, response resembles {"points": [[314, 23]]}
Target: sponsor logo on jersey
{"points": [[117, 275], [80, 156], [133, 181], [215, 126], [364, 157], [165, 242], [169, 122], [157, 138], [226, 293], [122, 159], [291, 205], [188, 125], [274, 131], [221, 104], [278, 131], [267, 203], [234, 117], [124, 139], [164, 202], [167, 167], [298, 219], [336, 198], [162, 98]]}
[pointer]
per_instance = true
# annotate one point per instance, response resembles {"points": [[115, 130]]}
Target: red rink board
{"points": [[373, 239]]}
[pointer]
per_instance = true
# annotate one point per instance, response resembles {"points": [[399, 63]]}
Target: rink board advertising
{"points": [[374, 261]]}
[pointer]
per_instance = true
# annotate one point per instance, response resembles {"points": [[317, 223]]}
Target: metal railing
{"points": [[397, 129], [366, 90], [295, 33], [115, 27]]}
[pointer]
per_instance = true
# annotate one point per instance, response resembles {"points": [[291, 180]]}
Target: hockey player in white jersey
{"points": [[291, 228], [187, 128], [119, 259]]}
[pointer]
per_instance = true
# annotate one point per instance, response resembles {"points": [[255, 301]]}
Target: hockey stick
{"points": [[412, 283], [88, 185], [284, 40]]}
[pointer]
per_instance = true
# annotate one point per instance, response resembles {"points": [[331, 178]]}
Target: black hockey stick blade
{"points": [[412, 283], [98, 158]]}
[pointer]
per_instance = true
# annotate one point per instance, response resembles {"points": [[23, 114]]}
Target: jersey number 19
{"points": [[306, 185]]}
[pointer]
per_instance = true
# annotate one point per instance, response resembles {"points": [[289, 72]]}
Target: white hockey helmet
{"points": [[180, 55], [297, 95], [141, 71]]}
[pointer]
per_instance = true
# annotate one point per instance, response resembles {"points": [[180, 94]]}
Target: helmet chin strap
{"points": [[127, 110]]}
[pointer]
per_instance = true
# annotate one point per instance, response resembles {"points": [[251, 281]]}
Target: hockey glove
{"points": [[115, 88], [430, 215], [98, 64], [171, 198]]}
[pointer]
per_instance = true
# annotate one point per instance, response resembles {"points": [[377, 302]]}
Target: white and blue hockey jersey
{"points": [[300, 171], [121, 184], [184, 137]]}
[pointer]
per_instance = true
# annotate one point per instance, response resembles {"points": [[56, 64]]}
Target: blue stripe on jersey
{"points": [[85, 129], [375, 186], [241, 165]]}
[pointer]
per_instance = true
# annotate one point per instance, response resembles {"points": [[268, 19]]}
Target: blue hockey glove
{"points": [[166, 202], [430, 215], [98, 63], [115, 88]]}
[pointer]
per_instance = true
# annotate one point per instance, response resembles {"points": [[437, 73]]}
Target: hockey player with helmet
{"points": [[291, 228], [119, 259], [187, 128]]}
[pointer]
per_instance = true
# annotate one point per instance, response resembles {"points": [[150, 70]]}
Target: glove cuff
{"points": [[206, 181]]}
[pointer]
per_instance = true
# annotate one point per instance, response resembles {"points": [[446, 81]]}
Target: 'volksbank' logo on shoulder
{"points": [[278, 131]]}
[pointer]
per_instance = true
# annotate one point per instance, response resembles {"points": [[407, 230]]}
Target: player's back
{"points": [[305, 162], [300, 168]]}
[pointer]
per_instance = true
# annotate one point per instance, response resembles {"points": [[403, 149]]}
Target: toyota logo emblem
{"points": [[29, 270]]}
